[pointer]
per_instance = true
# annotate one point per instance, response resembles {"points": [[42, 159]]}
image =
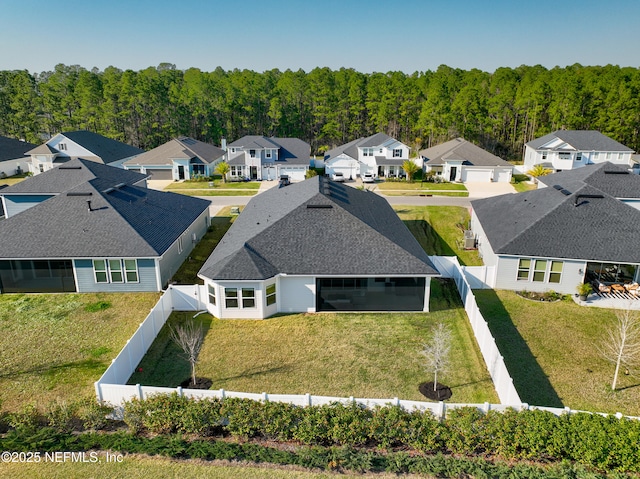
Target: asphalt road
{"points": [[217, 202]]}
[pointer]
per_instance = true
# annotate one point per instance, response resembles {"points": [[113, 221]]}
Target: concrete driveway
{"points": [[485, 190], [158, 184]]}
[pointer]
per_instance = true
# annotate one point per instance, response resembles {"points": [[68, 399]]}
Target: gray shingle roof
{"points": [[11, 149], [581, 140], [547, 223], [290, 150], [106, 149], [71, 174], [351, 148], [179, 148], [614, 180], [317, 227], [461, 149], [128, 221]]}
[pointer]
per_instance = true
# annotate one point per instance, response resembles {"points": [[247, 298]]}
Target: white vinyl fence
{"points": [[112, 389], [449, 267]]}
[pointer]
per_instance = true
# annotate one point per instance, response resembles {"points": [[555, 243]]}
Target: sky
{"points": [[368, 36]]}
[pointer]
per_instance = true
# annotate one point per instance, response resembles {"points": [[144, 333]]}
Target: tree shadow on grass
{"points": [[529, 379]]}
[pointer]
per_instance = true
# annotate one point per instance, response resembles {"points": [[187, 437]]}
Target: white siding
{"points": [[297, 294], [241, 312], [484, 248]]}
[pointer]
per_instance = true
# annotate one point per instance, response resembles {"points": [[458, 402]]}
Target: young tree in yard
{"points": [[223, 169], [189, 336], [410, 168], [621, 346], [437, 352]]}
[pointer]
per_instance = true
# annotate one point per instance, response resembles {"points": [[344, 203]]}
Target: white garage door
{"points": [[503, 176], [476, 175], [296, 173]]}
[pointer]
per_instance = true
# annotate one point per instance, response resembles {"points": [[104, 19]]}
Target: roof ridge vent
{"points": [[615, 172], [319, 206], [578, 196], [62, 167], [79, 193]]}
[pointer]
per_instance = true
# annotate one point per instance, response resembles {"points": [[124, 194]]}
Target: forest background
{"points": [[499, 111]]}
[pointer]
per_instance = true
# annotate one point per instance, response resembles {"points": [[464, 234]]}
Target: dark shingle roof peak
{"points": [[312, 227], [580, 140], [12, 149], [463, 150]]}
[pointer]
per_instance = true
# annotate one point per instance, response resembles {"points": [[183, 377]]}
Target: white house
{"points": [[182, 158], [461, 160], [379, 154], [584, 226], [83, 144], [261, 158], [570, 149], [12, 156], [316, 246]]}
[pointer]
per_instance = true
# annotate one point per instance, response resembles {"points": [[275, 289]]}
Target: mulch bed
{"points": [[201, 383], [442, 392]]}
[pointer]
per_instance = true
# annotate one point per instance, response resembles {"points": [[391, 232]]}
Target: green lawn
{"points": [[52, 347], [204, 185], [12, 180], [403, 188], [215, 192], [551, 352], [439, 230], [143, 467], [364, 355], [187, 274]]}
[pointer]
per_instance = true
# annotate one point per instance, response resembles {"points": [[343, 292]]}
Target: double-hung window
{"points": [[555, 272], [212, 294], [231, 297], [397, 153], [248, 298], [271, 294], [115, 270], [524, 266], [539, 270]]}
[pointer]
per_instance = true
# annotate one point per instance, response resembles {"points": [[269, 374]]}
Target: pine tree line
{"points": [[499, 111]]}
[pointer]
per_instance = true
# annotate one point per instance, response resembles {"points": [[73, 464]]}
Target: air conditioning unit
{"points": [[469, 240]]}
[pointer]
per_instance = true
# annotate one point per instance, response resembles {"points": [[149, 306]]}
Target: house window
{"points": [[236, 170], [180, 245], [212, 294], [578, 156], [115, 270], [397, 153], [233, 150], [563, 155], [100, 271], [252, 153], [41, 167], [267, 154], [524, 266], [539, 270], [231, 297], [555, 274], [367, 152], [62, 146], [544, 155], [271, 294], [595, 155], [198, 169], [248, 298], [131, 270], [392, 171], [608, 156]]}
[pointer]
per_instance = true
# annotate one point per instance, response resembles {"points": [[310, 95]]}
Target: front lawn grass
{"points": [[439, 230], [204, 185], [419, 185], [551, 352], [187, 274], [375, 355], [57, 345], [12, 180], [214, 192]]}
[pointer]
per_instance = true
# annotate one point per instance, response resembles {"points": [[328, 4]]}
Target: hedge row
{"points": [[334, 458], [604, 443]]}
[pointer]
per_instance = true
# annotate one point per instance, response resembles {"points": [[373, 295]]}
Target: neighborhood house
{"points": [[261, 158], [12, 156], [377, 155], [460, 160], [179, 159], [87, 145], [84, 226], [578, 226], [571, 149], [317, 246]]}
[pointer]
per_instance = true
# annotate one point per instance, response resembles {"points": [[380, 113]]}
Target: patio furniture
{"points": [[618, 288], [601, 287]]}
